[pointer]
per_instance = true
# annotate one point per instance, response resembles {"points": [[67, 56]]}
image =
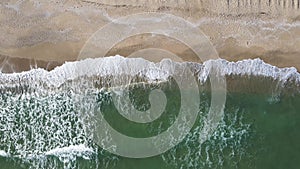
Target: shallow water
{"points": [[43, 126]]}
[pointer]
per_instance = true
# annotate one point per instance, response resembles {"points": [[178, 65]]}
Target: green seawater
{"points": [[257, 131]]}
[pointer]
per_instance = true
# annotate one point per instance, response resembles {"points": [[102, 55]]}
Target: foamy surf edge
{"points": [[118, 65]]}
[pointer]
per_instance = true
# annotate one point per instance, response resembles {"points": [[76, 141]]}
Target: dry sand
{"points": [[47, 33]]}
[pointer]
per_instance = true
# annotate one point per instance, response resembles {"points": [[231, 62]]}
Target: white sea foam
{"points": [[3, 153], [78, 150], [72, 148], [118, 65], [252, 67]]}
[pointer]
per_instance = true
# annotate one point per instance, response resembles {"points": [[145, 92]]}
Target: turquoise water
{"points": [[45, 125], [256, 132]]}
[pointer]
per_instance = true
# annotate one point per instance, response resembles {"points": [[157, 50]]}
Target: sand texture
{"points": [[46, 33]]}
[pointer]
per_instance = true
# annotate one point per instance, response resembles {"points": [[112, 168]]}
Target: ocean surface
{"points": [[45, 115]]}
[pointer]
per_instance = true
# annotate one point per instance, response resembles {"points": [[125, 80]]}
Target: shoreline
{"points": [[247, 76]]}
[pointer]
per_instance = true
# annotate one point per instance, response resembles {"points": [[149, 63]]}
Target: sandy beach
{"points": [[45, 33], [126, 112]]}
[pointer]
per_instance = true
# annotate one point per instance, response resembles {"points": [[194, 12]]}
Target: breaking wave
{"points": [[38, 108], [117, 65]]}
